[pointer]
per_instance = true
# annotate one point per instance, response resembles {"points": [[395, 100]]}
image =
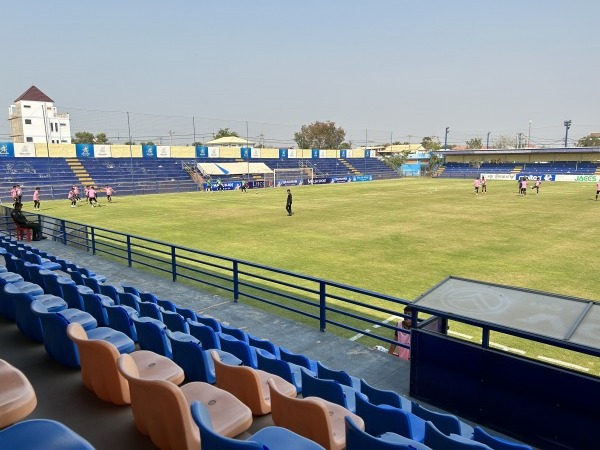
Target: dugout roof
{"points": [[569, 319]]}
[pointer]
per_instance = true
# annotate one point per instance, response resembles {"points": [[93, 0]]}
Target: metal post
{"points": [[446, 139], [322, 306], [173, 263], [247, 153], [487, 145], [130, 154], [567, 126], [48, 150], [236, 282]]}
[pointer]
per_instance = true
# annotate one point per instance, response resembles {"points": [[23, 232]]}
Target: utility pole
{"points": [[487, 144], [446, 139], [171, 136], [567, 126], [529, 135]]}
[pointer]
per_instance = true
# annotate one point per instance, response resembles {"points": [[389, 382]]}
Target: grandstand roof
{"points": [[551, 316], [231, 141], [33, 94], [519, 151]]}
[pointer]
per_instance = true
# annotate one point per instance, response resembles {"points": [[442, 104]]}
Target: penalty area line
{"points": [[359, 335]]}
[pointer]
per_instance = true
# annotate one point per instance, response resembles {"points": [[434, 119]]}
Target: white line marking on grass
{"points": [[464, 336], [359, 335], [507, 349], [563, 363], [214, 306]]}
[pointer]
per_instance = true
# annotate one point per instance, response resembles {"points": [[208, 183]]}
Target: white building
{"points": [[33, 118]]}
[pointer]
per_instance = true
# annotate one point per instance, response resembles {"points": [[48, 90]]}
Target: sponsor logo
{"points": [[85, 151], [3, 150], [586, 178]]}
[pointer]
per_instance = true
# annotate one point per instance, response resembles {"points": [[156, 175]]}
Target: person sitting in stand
{"points": [[19, 218]]}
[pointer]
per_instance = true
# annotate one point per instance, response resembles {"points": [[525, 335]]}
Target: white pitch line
{"points": [[359, 335], [464, 336], [563, 363], [507, 349]]}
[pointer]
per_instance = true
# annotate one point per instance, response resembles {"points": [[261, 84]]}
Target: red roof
{"points": [[33, 94]]}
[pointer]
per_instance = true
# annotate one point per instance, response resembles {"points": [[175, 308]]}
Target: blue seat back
{"points": [[72, 296], [384, 397], [148, 297], [167, 305], [187, 313], [93, 305], [381, 419], [326, 389], [120, 320], [92, 283], [149, 309], [56, 342], [240, 335], [42, 433], [129, 299], [278, 367], [110, 291], [298, 359], [446, 423], [209, 322], [130, 289], [175, 321], [205, 334], [151, 334], [239, 349], [265, 344], [189, 355], [357, 439], [329, 374], [497, 443], [435, 438]]}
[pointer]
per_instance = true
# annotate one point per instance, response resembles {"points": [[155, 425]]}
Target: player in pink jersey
{"points": [[476, 185], [402, 337], [92, 196], [524, 186], [72, 198], [36, 198], [483, 185], [109, 192], [76, 192], [536, 186], [597, 190]]}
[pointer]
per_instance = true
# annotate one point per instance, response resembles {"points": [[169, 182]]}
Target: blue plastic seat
{"points": [[207, 336], [111, 291], [237, 333], [96, 304], [191, 357], [329, 390], [129, 299], [150, 309], [72, 293], [92, 283], [148, 297], [152, 335], [381, 419], [385, 397], [446, 423], [267, 438], [41, 434], [187, 313], [265, 344], [497, 443], [288, 371], [175, 321], [357, 439], [239, 349], [120, 318], [27, 321], [298, 359], [34, 258], [7, 305], [167, 305], [435, 439], [337, 375], [52, 282], [209, 322], [130, 289]]}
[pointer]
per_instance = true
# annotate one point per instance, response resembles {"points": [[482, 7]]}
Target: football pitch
{"points": [[397, 237]]}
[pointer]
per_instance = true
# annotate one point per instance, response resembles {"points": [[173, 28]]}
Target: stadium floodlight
{"points": [[567, 124], [446, 139]]}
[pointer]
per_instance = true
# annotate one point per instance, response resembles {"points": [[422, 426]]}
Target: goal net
{"points": [[292, 177]]}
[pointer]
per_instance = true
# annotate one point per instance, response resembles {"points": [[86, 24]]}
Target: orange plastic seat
{"points": [[312, 417], [161, 410], [17, 397], [250, 385], [99, 367]]}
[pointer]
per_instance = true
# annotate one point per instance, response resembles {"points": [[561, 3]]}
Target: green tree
{"points": [[505, 142], [475, 143], [101, 139], [129, 143], [345, 145], [435, 161], [147, 143], [431, 143], [320, 135], [83, 137], [197, 144], [589, 141], [225, 132], [395, 161]]}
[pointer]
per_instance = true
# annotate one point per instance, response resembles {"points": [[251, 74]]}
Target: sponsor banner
{"points": [[245, 153], [255, 152], [343, 154], [499, 176], [340, 179], [213, 152], [578, 178], [84, 150], [283, 153], [322, 153], [228, 186], [24, 150], [292, 153], [368, 153], [362, 178], [315, 153], [149, 151], [163, 151], [102, 151], [349, 153], [296, 182], [201, 151], [534, 176], [7, 150], [319, 181]]}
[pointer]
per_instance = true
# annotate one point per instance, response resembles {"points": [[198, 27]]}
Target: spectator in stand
{"points": [[109, 192], [19, 218], [72, 198], [476, 185], [36, 198], [92, 196], [402, 337]]}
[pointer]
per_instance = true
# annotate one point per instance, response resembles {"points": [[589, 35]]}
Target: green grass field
{"points": [[398, 237]]}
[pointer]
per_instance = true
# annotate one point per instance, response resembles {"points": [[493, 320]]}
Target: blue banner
{"points": [[84, 150], [283, 153], [343, 154], [245, 152], [149, 151], [367, 153], [315, 153], [7, 150], [201, 151], [362, 178]]}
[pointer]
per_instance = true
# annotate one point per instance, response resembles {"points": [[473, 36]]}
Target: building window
{"points": [[27, 121], [63, 124], [29, 139], [26, 106]]}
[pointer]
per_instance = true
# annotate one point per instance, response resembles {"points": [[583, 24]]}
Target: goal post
{"points": [[293, 177]]}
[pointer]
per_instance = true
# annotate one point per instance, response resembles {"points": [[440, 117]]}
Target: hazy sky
{"points": [[380, 69]]}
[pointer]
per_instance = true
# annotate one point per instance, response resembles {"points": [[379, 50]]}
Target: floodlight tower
{"points": [[446, 139], [567, 126]]}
